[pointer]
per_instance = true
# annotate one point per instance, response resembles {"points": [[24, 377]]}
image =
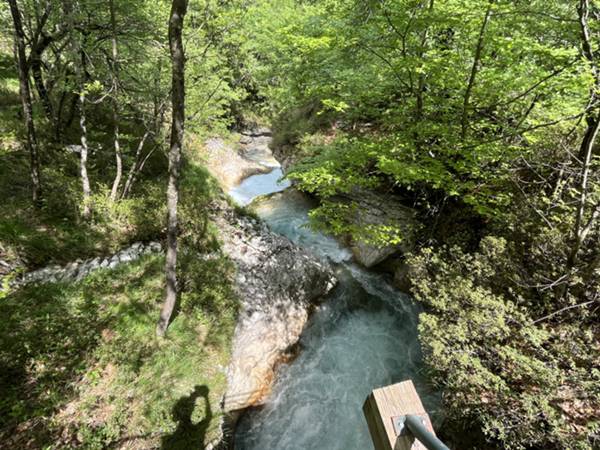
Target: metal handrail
{"points": [[414, 424]]}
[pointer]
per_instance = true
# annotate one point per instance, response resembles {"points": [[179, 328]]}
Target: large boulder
{"points": [[277, 283], [377, 209]]}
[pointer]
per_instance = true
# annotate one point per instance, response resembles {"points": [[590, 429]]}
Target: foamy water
{"points": [[363, 336]]}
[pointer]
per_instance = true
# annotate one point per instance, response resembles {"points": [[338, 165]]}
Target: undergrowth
{"points": [[81, 367]]}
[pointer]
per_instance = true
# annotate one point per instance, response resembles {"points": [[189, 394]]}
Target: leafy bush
{"points": [[526, 384]]}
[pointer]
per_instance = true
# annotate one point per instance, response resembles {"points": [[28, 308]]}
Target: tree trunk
{"points": [[474, 69], [38, 79], [581, 230], [115, 103], [25, 94], [587, 149], [78, 52], [178, 10], [35, 62], [85, 181], [156, 125], [419, 112], [136, 167]]}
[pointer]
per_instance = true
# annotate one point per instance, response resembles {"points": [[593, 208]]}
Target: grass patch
{"points": [[81, 367]]}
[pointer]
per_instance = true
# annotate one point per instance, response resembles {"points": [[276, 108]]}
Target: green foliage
{"points": [[478, 128], [337, 168], [389, 74], [342, 219], [216, 84], [520, 381]]}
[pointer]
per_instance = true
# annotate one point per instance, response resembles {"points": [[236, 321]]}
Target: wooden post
{"points": [[387, 403]]}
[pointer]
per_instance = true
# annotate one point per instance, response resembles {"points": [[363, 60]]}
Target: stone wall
{"points": [[79, 269]]}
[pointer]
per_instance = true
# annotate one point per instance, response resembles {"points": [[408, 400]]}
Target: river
{"points": [[363, 336]]}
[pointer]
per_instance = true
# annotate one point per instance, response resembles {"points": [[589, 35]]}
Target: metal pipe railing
{"points": [[414, 425]]}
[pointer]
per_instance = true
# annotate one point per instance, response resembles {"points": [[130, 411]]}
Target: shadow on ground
{"points": [[189, 434]]}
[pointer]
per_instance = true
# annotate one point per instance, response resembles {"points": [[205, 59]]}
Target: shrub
{"points": [[526, 384]]}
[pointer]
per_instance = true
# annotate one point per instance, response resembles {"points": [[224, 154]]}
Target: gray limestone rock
{"points": [[373, 208], [277, 282]]}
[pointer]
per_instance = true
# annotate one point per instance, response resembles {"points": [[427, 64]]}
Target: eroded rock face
{"points": [[255, 146], [277, 283], [230, 163], [373, 208]]}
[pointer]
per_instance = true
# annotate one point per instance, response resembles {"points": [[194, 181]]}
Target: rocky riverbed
{"points": [[278, 282]]}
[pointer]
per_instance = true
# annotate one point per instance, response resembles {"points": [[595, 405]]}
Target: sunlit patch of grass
{"points": [[80, 363]]}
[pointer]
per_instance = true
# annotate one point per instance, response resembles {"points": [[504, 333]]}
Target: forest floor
{"points": [[80, 365]]}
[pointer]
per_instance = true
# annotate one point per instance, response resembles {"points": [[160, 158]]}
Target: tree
{"points": [[25, 94], [582, 228], [473, 74], [115, 102], [39, 43], [80, 58], [178, 10]]}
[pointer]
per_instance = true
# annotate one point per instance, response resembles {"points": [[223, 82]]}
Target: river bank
{"points": [[361, 337]]}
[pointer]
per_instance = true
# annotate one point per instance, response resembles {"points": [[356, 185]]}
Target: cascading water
{"points": [[363, 336], [256, 185]]}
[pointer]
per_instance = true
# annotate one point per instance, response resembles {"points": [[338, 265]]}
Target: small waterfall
{"points": [[256, 185]]}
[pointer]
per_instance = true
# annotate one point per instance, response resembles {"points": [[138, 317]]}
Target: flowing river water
{"points": [[363, 336]]}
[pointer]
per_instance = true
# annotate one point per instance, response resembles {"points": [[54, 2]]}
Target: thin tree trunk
{"points": [[178, 10], [579, 231], [474, 69], [156, 100], [586, 151], [85, 181], [39, 43], [38, 79], [583, 11], [78, 50], [140, 167], [25, 94], [138, 164], [115, 103], [419, 113], [136, 167], [72, 108]]}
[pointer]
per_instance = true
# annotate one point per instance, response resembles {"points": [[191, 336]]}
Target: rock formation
{"points": [[230, 163], [277, 283]]}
